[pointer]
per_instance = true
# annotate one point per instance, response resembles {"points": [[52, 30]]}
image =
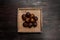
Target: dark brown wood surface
{"points": [[8, 20]]}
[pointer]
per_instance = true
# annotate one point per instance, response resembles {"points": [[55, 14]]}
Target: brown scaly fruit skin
{"points": [[34, 24], [30, 25], [24, 17], [35, 18], [28, 14], [25, 24]]}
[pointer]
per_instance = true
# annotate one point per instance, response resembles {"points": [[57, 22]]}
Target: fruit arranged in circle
{"points": [[30, 20]]}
